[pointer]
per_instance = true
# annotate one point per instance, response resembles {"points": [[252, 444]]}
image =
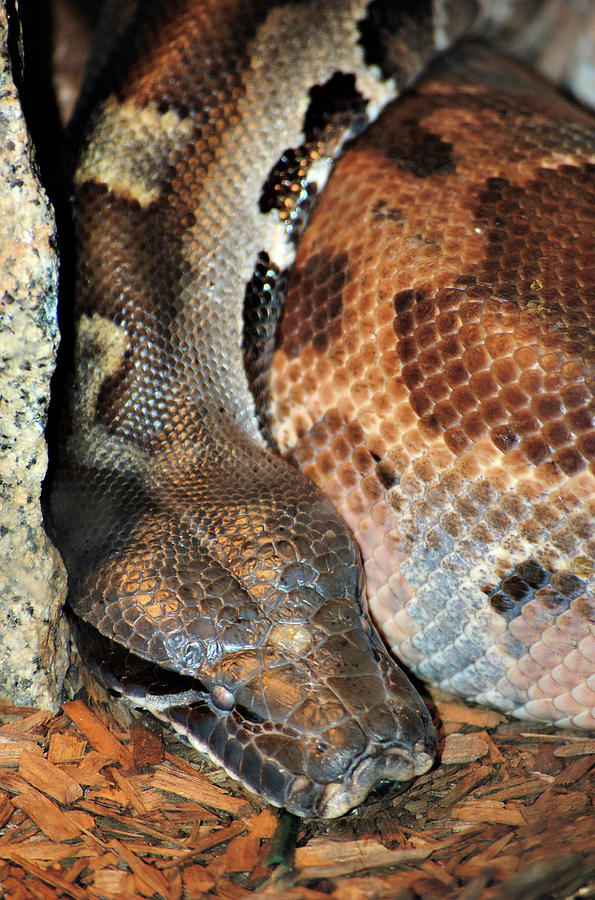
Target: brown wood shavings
{"points": [[95, 803]]}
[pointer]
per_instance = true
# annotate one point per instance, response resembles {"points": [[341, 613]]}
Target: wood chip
{"points": [[48, 778], [197, 881], [96, 732], [241, 853], [27, 723], [129, 791], [147, 745], [465, 785], [323, 858], [6, 808], [113, 882], [520, 787], [578, 748], [148, 880], [50, 851], [214, 839], [464, 748], [89, 769], [64, 887], [264, 824], [470, 715], [66, 748], [47, 816], [489, 811], [200, 789], [11, 751], [576, 769]]}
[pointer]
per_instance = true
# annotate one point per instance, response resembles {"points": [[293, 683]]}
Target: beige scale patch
{"points": [[129, 148]]}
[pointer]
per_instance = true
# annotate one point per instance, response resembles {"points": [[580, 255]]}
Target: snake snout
{"points": [[381, 774]]}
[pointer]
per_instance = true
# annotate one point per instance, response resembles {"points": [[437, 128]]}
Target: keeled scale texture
{"points": [[434, 377]]}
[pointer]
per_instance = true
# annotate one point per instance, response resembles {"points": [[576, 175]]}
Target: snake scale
{"points": [[422, 349]]}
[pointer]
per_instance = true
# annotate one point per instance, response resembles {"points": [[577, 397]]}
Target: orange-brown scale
{"points": [[433, 377]]}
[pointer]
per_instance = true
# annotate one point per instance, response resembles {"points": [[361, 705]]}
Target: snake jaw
{"points": [[384, 771], [381, 773], [339, 798]]}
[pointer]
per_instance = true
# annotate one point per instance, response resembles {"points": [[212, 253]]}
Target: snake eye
{"points": [[321, 746], [222, 698]]}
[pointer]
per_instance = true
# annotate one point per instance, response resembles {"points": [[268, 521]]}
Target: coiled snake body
{"points": [[430, 373]]}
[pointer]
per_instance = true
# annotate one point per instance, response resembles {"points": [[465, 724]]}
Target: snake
{"points": [[329, 398]]}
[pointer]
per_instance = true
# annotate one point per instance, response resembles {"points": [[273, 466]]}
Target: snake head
{"points": [[319, 719], [348, 726], [294, 695]]}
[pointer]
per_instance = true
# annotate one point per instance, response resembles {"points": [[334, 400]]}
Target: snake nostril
{"points": [[386, 789]]}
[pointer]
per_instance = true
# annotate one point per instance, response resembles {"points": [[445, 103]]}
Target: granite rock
{"points": [[33, 637]]}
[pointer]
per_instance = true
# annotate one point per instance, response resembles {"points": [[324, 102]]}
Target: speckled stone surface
{"points": [[32, 579]]}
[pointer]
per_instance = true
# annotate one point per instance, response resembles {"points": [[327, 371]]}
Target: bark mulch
{"points": [[96, 803]]}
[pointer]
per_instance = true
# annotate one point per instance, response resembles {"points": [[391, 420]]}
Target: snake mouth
{"points": [[379, 776]]}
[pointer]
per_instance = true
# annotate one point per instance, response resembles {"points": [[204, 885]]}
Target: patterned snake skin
{"points": [[429, 372]]}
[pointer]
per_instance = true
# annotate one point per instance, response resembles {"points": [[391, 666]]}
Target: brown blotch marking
{"points": [[515, 261], [493, 411], [474, 426], [584, 608], [372, 488], [318, 434], [437, 387], [448, 322], [314, 305], [475, 352], [513, 397], [457, 441], [580, 420], [143, 298], [530, 581], [463, 399], [348, 476], [386, 475], [524, 423], [414, 148], [451, 525], [504, 370], [412, 376], [340, 448], [586, 444], [381, 211], [327, 462], [408, 350], [574, 395], [420, 403], [546, 407]]}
